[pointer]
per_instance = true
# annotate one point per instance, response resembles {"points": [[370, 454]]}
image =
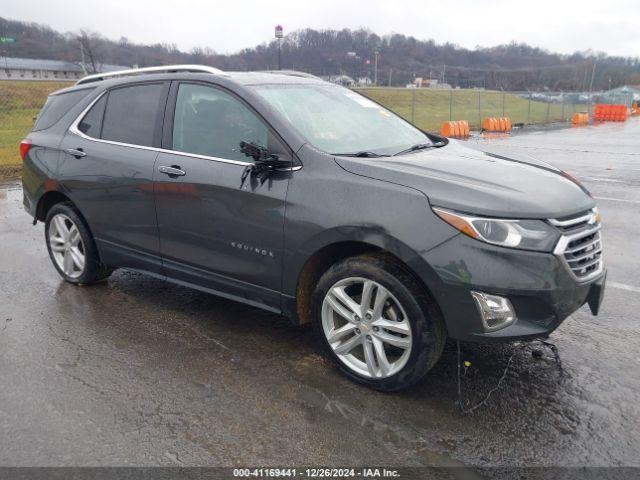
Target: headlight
{"points": [[524, 234]]}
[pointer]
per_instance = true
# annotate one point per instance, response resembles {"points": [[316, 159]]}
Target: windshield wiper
{"points": [[419, 146], [363, 154]]}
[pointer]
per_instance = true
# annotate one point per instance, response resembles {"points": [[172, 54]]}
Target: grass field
{"points": [[20, 102], [429, 108]]}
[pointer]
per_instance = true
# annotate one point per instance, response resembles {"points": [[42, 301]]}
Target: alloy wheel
{"points": [[66, 245], [366, 327]]}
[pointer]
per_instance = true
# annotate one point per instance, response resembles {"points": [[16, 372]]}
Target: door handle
{"points": [[76, 152], [172, 171]]}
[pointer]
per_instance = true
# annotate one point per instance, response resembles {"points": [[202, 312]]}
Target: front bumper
{"points": [[539, 285]]}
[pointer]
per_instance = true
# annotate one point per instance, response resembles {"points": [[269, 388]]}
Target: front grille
{"points": [[581, 244]]}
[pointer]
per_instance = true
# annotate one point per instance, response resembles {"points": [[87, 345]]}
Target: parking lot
{"points": [[136, 371]]}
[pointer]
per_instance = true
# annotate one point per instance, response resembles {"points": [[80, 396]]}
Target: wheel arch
{"points": [[47, 201], [326, 255], [53, 197]]}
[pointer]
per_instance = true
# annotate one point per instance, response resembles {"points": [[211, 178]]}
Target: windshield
{"points": [[339, 121]]}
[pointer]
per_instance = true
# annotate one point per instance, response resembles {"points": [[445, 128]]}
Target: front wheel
{"points": [[376, 322]]}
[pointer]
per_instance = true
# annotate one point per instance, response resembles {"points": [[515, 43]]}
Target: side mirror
{"points": [[262, 157], [265, 162], [257, 152]]}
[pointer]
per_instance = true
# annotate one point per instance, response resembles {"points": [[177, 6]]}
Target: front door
{"points": [[218, 230]]}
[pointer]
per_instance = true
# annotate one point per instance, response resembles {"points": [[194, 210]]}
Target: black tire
{"points": [[94, 271], [427, 326]]}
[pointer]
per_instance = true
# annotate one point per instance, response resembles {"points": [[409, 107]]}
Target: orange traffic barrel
{"points": [[455, 129], [581, 118], [501, 124], [508, 125], [597, 113], [610, 113], [465, 128]]}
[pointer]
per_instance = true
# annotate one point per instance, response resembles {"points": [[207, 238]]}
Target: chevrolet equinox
{"points": [[306, 199]]}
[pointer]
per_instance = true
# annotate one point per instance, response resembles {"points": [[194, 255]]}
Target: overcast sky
{"points": [[564, 26]]}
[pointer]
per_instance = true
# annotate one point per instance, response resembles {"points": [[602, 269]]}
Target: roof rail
{"points": [[292, 73], [161, 69]]}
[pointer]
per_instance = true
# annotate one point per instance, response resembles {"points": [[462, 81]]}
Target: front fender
{"points": [[328, 205], [365, 235]]}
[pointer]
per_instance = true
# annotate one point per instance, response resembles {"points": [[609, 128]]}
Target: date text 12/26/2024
{"points": [[315, 473]]}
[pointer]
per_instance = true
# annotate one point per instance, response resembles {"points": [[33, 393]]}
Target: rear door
{"points": [[107, 169], [216, 230]]}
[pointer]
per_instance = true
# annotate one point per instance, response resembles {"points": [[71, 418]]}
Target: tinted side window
{"points": [[210, 122], [56, 106], [131, 114], [92, 122]]}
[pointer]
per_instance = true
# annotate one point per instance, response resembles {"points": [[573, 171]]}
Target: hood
{"points": [[467, 180]]}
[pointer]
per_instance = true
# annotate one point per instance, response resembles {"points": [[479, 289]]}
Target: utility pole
{"points": [[390, 72], [279, 34], [375, 68], [480, 109], [593, 74]]}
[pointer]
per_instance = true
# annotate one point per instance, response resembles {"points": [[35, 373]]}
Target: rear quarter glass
{"points": [[56, 106]]}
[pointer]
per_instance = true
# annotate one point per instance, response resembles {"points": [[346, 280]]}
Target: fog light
{"points": [[496, 312]]}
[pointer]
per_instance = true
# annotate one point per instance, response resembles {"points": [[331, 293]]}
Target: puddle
{"points": [[10, 192]]}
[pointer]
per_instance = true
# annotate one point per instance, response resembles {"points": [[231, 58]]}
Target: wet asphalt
{"points": [[137, 371]]}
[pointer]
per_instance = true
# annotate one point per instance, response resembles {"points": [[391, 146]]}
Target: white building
{"points": [[434, 83], [344, 80], [12, 68]]}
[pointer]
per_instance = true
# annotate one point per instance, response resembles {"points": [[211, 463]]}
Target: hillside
{"points": [[327, 52]]}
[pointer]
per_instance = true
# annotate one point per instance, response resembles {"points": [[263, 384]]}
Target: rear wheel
{"points": [[376, 322], [71, 246]]}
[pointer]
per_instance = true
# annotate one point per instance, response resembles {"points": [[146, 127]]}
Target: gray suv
{"points": [[306, 199]]}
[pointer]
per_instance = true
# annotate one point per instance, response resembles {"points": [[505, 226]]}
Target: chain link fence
{"points": [[430, 108], [20, 102]]}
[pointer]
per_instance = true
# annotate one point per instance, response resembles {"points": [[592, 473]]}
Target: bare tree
{"points": [[89, 51]]}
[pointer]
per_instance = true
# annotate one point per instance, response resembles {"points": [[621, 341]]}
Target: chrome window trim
{"points": [[74, 129]]}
